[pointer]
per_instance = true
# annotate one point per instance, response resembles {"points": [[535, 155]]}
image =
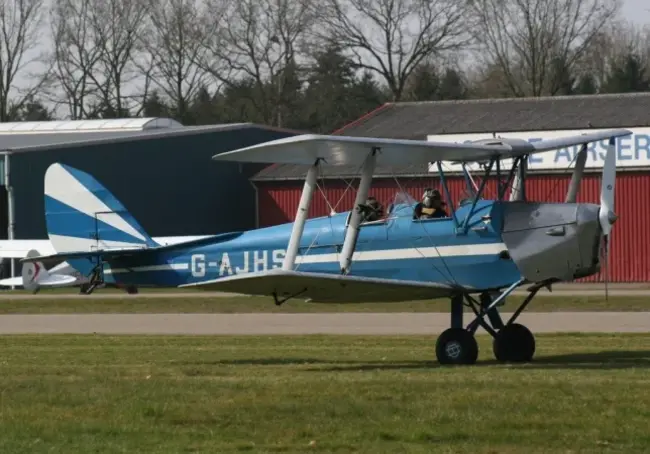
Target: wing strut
{"points": [[518, 191], [574, 185], [352, 231], [301, 217]]}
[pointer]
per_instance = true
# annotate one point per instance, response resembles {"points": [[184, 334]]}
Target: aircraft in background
{"points": [[477, 255], [35, 275]]}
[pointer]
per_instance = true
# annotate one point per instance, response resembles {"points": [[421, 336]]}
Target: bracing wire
{"points": [[557, 182], [451, 276]]}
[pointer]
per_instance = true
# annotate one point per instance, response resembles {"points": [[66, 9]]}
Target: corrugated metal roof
{"points": [[21, 142], [417, 120], [118, 124]]}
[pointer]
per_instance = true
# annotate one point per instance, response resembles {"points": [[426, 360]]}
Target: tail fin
{"points": [[33, 273], [82, 215]]}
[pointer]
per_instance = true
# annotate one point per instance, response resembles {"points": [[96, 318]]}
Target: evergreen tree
{"points": [[586, 85], [629, 75], [423, 84], [562, 81], [32, 110], [329, 99], [154, 106], [452, 86]]}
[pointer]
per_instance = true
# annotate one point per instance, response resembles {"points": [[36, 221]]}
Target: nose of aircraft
{"points": [[612, 217], [550, 241]]}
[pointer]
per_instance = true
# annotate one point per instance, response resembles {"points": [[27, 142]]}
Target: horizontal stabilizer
{"points": [[53, 280], [342, 150], [17, 249], [325, 288], [104, 253], [108, 254]]}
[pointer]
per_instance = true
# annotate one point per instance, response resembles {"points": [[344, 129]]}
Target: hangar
{"points": [[161, 171], [279, 186]]}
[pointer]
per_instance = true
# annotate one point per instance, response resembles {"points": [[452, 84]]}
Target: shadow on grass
{"points": [[604, 360]]}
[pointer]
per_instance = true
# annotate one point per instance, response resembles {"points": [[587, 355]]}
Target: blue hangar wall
{"points": [[170, 185]]}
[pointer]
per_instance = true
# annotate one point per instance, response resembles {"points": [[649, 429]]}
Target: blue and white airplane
{"points": [[476, 256]]}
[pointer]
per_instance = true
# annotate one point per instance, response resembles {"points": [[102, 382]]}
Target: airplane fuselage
{"points": [[501, 240], [398, 247]]}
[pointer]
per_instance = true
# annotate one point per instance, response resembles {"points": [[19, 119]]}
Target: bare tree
{"points": [[175, 41], [117, 27], [625, 38], [260, 40], [19, 49], [392, 37], [527, 39], [75, 55]]}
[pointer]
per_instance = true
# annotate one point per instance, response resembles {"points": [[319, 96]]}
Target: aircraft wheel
{"points": [[132, 290], [456, 346], [514, 343]]}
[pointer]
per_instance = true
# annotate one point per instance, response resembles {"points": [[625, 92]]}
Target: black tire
{"points": [[514, 343], [132, 290], [456, 346]]}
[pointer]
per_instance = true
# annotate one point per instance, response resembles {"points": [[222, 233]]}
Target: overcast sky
{"points": [[637, 11]]}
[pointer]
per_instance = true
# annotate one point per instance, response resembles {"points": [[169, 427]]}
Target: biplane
{"points": [[476, 256]]}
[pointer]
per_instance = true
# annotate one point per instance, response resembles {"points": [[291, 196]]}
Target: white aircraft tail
{"points": [[35, 275]]}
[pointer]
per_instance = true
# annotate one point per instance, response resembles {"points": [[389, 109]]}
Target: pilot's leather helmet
{"points": [[432, 194]]}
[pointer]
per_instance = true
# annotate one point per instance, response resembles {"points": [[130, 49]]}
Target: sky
{"points": [[637, 11]]}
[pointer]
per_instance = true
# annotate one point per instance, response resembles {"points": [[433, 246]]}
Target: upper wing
{"points": [[342, 150], [325, 288]]}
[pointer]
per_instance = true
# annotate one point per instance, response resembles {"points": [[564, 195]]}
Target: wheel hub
{"points": [[453, 349]]}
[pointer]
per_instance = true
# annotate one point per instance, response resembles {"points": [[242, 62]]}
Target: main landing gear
{"points": [[512, 342]]}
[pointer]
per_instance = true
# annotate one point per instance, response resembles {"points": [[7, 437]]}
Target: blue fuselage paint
{"points": [[433, 250]]}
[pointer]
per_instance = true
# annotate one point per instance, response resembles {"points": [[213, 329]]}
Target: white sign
{"points": [[631, 151]]}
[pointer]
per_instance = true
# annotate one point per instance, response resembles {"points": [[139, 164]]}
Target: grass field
{"points": [[153, 304], [99, 394]]}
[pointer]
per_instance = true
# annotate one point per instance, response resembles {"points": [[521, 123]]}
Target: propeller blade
{"points": [[605, 262], [606, 215]]}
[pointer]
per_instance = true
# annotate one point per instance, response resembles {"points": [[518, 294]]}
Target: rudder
{"points": [[82, 215]]}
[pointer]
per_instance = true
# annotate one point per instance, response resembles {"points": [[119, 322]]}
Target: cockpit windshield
{"points": [[404, 198], [403, 205]]}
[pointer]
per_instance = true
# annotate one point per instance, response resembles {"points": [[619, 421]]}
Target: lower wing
{"points": [[326, 288]]}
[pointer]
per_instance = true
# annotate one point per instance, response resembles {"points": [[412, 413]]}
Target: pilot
{"points": [[372, 210], [432, 206]]}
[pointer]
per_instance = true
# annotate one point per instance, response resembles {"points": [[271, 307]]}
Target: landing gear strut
{"points": [[96, 279], [512, 342]]}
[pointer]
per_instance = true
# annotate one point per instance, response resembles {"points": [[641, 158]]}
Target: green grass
{"points": [[101, 394], [151, 304]]}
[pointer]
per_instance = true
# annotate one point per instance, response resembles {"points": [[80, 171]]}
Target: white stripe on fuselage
{"points": [[359, 256]]}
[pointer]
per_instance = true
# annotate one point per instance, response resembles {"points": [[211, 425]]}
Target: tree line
{"points": [[307, 64]]}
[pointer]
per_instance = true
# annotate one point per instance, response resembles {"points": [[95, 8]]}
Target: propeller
{"points": [[606, 215]]}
